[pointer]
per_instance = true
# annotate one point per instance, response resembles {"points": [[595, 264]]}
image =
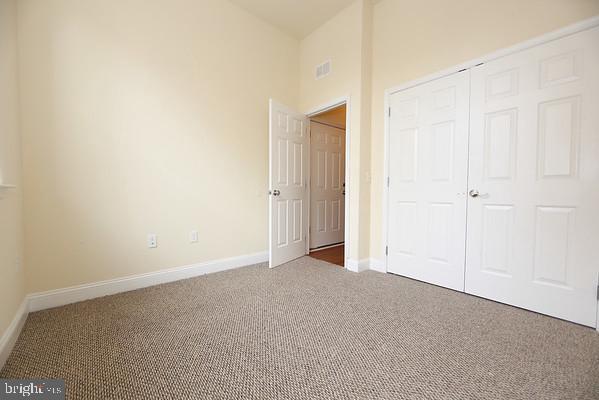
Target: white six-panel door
{"points": [[532, 144], [327, 185], [288, 172], [533, 232], [428, 160]]}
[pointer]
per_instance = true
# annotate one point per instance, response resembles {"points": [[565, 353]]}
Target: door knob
{"points": [[476, 193], [276, 192]]}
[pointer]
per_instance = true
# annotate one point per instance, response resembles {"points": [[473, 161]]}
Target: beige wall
{"points": [[415, 38], [145, 116], [12, 285], [150, 117], [341, 40]]}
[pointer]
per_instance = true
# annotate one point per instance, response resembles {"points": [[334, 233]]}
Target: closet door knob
{"points": [[476, 193]]}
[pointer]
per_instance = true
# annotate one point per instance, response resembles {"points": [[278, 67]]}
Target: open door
{"points": [[289, 147]]}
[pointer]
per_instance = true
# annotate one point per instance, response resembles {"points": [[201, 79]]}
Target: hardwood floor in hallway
{"points": [[334, 255]]}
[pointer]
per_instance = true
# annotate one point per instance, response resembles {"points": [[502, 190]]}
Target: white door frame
{"points": [[318, 110], [547, 37]]}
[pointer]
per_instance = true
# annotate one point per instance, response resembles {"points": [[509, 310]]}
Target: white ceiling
{"points": [[296, 17]]}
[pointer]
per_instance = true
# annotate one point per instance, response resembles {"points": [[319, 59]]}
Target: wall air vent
{"points": [[323, 69]]}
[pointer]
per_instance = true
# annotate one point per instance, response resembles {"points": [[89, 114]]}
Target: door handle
{"points": [[275, 192], [476, 193]]}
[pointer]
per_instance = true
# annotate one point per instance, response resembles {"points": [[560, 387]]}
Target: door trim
{"points": [[348, 183], [545, 38]]}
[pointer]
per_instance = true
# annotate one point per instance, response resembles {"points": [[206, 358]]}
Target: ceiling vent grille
{"points": [[323, 69]]}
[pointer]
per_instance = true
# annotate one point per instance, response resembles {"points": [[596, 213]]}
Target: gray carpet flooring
{"points": [[306, 330]]}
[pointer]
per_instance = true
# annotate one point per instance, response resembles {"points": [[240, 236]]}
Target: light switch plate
{"points": [[152, 241]]}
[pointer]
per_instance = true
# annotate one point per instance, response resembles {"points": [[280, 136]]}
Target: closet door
{"points": [[533, 210], [428, 150]]}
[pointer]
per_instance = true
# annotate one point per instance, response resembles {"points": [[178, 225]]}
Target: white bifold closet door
{"points": [[428, 161], [533, 233], [515, 142]]}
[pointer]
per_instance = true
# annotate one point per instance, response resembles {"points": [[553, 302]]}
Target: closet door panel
{"points": [[428, 169], [534, 160]]}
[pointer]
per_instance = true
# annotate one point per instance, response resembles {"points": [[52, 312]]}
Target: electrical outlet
{"points": [[193, 237], [152, 240]]}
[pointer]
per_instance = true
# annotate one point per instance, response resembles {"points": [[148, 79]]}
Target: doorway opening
{"points": [[328, 185], [290, 229]]}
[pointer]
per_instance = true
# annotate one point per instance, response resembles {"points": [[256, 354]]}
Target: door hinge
{"points": [[388, 181], [389, 112], [386, 250], [598, 291]]}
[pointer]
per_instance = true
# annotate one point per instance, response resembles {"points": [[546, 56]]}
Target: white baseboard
{"points": [[10, 336], [363, 265], [366, 264], [73, 294], [352, 265], [357, 266], [377, 265]]}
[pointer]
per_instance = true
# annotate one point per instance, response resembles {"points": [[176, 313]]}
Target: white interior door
{"points": [[289, 147], [428, 160], [327, 185], [534, 157]]}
